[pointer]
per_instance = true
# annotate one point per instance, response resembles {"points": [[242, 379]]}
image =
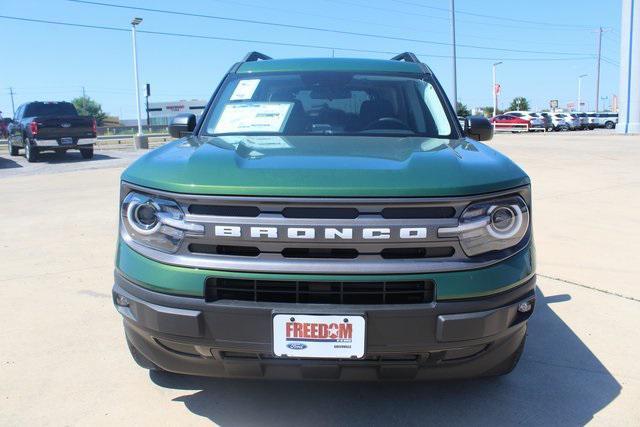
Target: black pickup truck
{"points": [[41, 126]]}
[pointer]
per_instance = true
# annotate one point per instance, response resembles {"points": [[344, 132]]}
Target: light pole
{"points": [[140, 140], [579, 90], [453, 43], [495, 92]]}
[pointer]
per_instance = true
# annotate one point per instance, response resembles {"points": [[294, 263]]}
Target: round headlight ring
{"points": [[514, 225], [141, 224]]}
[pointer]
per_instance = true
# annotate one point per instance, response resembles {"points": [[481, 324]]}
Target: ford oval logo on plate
{"points": [[296, 346]]}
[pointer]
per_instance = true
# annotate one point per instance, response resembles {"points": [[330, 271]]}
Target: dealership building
{"points": [[160, 113]]}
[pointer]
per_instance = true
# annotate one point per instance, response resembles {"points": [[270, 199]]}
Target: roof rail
{"points": [[407, 57], [255, 56]]}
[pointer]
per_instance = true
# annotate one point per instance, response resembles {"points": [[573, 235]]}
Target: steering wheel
{"points": [[387, 123]]}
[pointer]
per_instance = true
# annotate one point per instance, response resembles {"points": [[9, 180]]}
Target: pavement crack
{"points": [[593, 288]]}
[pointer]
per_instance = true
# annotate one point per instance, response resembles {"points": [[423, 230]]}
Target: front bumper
{"points": [[443, 339]]}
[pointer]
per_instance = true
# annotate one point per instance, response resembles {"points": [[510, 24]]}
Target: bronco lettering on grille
{"points": [[328, 233]]}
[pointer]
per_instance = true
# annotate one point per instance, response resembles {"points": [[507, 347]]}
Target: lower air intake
{"points": [[304, 292]]}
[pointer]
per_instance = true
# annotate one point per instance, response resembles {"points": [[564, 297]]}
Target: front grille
{"points": [[317, 212], [307, 292]]}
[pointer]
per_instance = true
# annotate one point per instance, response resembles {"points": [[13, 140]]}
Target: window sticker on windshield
{"points": [[257, 142], [253, 117], [245, 89]]}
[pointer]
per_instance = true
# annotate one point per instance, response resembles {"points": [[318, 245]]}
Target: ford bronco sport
{"points": [[326, 218]]}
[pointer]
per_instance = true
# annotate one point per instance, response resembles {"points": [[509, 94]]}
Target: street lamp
{"points": [[140, 140], [579, 90], [494, 89], [453, 64]]}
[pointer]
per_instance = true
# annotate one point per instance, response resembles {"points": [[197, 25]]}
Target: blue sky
{"points": [[52, 62]]}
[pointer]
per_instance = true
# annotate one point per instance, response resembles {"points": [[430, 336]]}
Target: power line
{"points": [[274, 43], [386, 9], [522, 21], [326, 30], [473, 35]]}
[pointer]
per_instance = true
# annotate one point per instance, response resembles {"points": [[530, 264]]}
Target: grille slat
{"points": [[323, 253], [357, 293]]}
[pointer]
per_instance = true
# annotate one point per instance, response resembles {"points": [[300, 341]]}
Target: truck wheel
{"points": [[30, 152], [13, 151], [87, 153], [142, 361], [610, 125], [509, 364]]}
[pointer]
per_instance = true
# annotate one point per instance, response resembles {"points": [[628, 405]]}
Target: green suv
{"points": [[328, 219]]}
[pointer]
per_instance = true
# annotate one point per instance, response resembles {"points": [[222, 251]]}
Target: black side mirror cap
{"points": [[478, 128], [182, 125]]}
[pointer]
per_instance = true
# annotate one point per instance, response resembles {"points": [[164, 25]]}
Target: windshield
{"points": [[328, 103]]}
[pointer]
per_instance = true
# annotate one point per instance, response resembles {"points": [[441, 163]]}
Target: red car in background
{"points": [[514, 124], [4, 124]]}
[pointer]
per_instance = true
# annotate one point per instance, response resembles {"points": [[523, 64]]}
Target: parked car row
{"points": [[553, 121], [50, 126]]}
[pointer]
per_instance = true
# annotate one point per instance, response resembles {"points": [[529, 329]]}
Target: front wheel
{"points": [[87, 153], [30, 152], [610, 125], [13, 150]]}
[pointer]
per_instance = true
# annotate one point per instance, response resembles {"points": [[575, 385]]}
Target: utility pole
{"points": [[13, 107], [84, 100], [453, 40], [598, 68]]}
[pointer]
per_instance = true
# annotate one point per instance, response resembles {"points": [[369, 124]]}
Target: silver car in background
{"points": [[565, 121]]}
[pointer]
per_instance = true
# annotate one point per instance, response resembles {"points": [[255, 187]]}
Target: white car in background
{"points": [[564, 121], [537, 122]]}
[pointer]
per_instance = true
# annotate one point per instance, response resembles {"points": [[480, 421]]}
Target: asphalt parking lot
{"points": [[63, 357]]}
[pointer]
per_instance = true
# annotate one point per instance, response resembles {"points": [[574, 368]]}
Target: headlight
{"points": [[155, 222], [492, 225]]}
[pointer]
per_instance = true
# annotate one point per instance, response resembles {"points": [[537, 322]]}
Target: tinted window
{"points": [[50, 109], [328, 103]]}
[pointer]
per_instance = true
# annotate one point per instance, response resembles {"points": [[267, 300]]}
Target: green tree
{"points": [[88, 107], [519, 103], [462, 110]]}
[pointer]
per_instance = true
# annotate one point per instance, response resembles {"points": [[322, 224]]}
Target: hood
{"points": [[329, 166]]}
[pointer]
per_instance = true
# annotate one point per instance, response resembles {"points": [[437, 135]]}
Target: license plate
{"points": [[335, 337], [66, 141]]}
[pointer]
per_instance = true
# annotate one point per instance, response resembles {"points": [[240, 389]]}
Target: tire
{"points": [[508, 365], [610, 125], [142, 361], [87, 153], [13, 150], [564, 128], [30, 152]]}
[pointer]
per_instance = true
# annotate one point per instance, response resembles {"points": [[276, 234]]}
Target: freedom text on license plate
{"points": [[318, 336]]}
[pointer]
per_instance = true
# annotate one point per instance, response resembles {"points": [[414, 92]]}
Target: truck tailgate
{"points": [[65, 127]]}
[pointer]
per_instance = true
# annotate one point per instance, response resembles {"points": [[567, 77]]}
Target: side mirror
{"points": [[182, 124], [478, 128]]}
